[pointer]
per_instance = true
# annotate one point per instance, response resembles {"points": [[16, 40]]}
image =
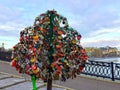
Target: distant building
{"points": [[109, 51], [118, 53], [5, 55], [2, 49], [102, 51]]}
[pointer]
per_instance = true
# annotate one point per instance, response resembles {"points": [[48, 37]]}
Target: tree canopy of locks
{"points": [[49, 49]]}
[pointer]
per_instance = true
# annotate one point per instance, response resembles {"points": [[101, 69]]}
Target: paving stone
{"points": [[9, 82], [2, 76], [23, 86], [54, 88]]}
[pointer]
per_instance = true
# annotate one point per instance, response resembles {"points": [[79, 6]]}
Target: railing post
{"points": [[112, 71]]}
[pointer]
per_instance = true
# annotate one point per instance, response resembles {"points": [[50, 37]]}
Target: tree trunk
{"points": [[49, 84]]}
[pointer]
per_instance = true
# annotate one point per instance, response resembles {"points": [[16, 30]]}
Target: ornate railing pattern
{"points": [[102, 69]]}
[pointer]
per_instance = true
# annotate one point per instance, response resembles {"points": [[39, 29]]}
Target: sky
{"points": [[98, 21]]}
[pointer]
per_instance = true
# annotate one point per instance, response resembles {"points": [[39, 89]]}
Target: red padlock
{"points": [[34, 67], [79, 37], [81, 68], [13, 63]]}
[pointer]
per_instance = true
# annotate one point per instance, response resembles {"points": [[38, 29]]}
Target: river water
{"points": [[109, 59]]}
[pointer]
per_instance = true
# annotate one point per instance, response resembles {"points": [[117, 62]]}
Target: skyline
{"points": [[98, 21]]}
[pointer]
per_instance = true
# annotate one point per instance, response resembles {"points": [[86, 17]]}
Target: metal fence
{"points": [[102, 69]]}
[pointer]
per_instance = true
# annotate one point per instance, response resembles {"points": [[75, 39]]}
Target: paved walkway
{"points": [[79, 83], [8, 82]]}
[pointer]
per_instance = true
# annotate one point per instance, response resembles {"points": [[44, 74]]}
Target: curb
{"points": [[5, 62], [12, 75], [58, 86], [12, 84], [66, 88], [44, 84], [98, 78]]}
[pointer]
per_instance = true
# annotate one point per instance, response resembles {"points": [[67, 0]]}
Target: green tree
{"points": [[97, 52]]}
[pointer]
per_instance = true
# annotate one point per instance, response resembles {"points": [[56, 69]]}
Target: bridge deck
{"points": [[79, 83]]}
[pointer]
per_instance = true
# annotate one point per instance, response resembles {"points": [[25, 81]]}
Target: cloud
{"points": [[11, 26], [102, 31], [103, 37], [10, 29], [8, 41], [8, 13], [102, 43], [89, 16], [96, 20]]}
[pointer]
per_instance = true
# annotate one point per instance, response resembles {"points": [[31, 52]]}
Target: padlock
{"points": [[58, 46], [34, 67], [59, 32], [33, 60], [36, 38], [55, 28], [41, 37], [27, 67], [13, 63], [35, 71], [79, 37]]}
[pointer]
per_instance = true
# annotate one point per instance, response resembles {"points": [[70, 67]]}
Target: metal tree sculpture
{"points": [[49, 50]]}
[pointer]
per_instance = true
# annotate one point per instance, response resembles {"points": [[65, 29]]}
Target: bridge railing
{"points": [[102, 69]]}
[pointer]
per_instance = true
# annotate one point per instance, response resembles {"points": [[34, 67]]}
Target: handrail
{"points": [[108, 70]]}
